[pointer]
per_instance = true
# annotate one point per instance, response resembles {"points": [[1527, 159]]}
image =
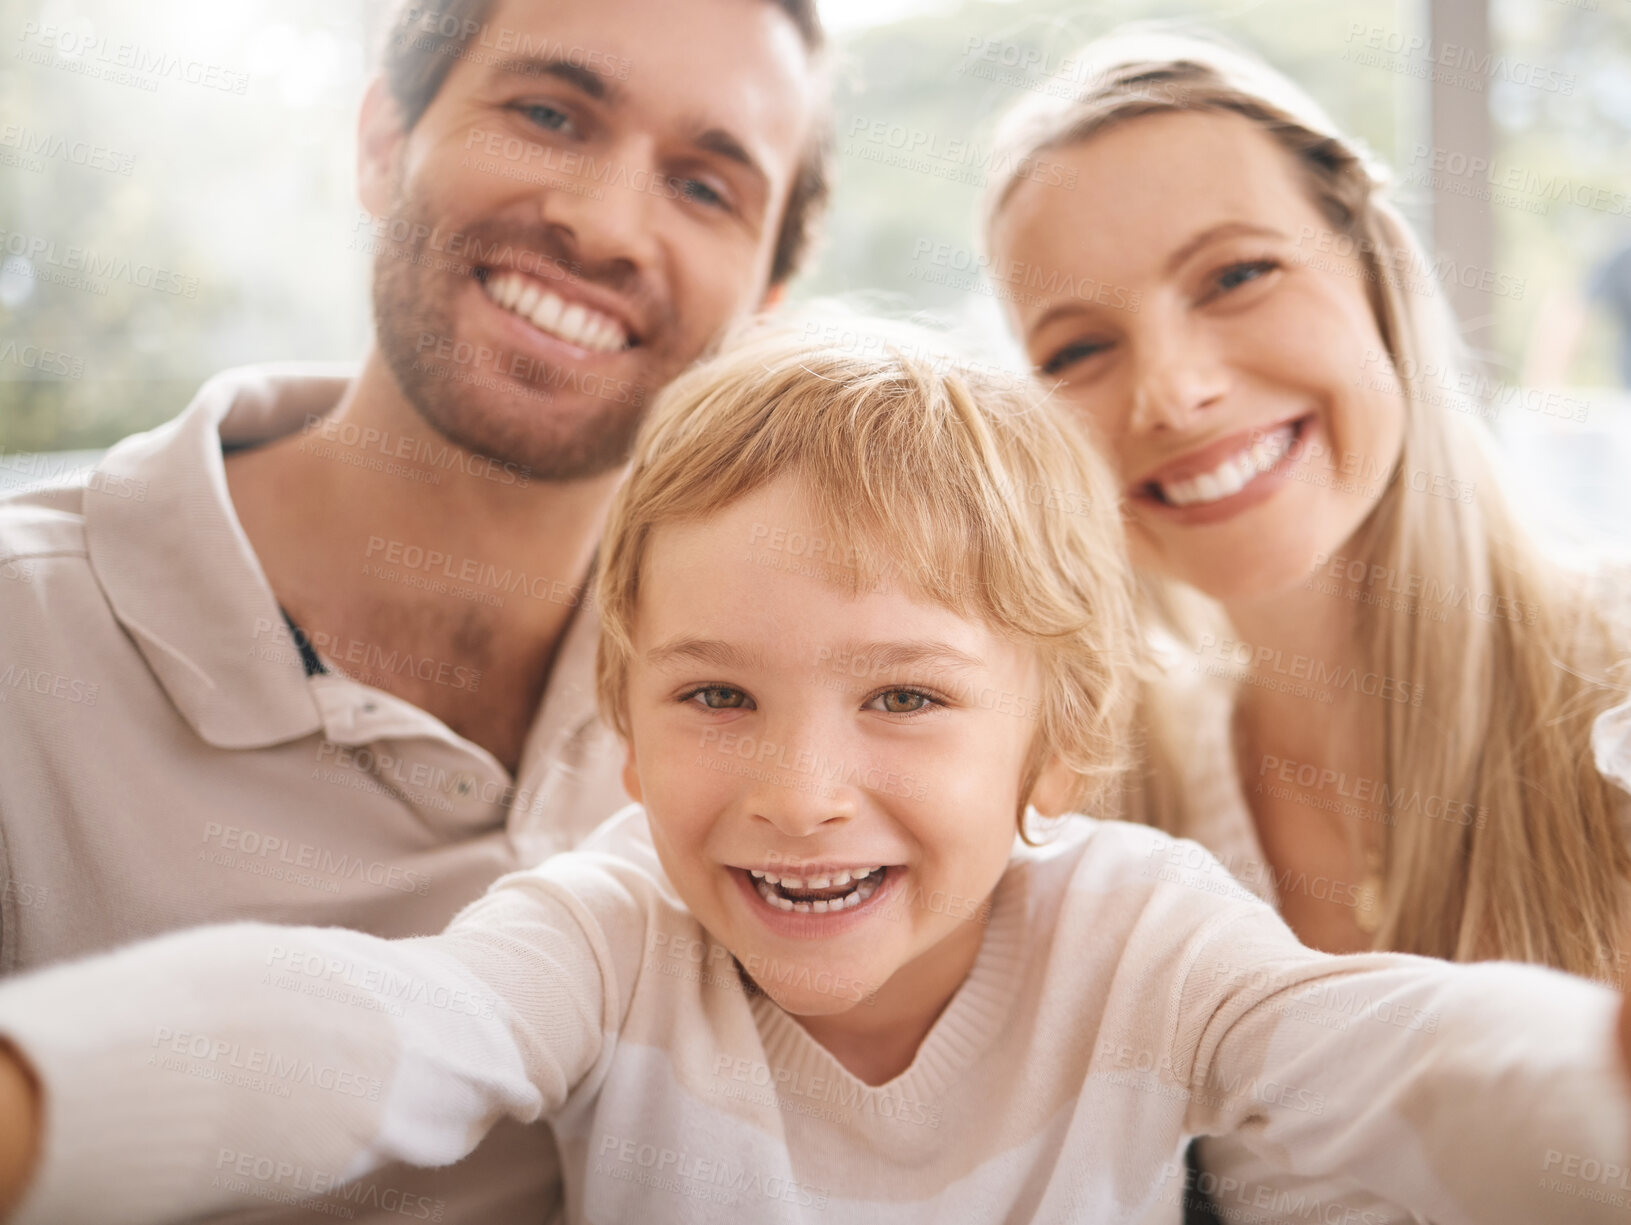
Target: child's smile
{"points": [[831, 779]]}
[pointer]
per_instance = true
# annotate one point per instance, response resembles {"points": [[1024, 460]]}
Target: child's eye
{"points": [[901, 701], [718, 697]]}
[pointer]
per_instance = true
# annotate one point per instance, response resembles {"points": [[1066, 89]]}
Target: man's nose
{"points": [[607, 210]]}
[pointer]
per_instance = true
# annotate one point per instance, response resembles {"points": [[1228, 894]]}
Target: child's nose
{"points": [[800, 807]]}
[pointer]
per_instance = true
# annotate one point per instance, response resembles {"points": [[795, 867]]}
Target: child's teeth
{"points": [[841, 879]]}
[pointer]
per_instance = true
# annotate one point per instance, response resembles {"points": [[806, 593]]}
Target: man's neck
{"points": [[379, 536]]}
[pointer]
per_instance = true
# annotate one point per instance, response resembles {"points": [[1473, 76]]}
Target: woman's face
{"points": [[1189, 298]]}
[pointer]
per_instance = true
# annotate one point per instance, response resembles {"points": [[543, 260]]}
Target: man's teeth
{"points": [[571, 321], [1233, 474], [862, 885]]}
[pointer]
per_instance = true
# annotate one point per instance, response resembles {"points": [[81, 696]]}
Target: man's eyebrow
{"points": [[596, 85], [726, 145], [711, 651]]}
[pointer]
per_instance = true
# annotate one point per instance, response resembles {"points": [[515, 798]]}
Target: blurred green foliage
{"points": [[246, 200]]}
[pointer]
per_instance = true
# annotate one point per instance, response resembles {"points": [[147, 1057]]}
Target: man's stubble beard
{"points": [[517, 422]]}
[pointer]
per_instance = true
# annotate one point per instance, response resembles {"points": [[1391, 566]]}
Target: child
{"points": [[861, 605]]}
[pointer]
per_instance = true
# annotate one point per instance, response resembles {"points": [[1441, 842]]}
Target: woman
{"points": [[1378, 694]]}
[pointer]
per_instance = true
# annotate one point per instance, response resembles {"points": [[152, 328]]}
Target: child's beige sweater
{"points": [[1127, 996]]}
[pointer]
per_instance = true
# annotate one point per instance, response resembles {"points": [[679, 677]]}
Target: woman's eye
{"points": [[719, 697], [1237, 275], [1067, 357], [903, 701], [545, 116]]}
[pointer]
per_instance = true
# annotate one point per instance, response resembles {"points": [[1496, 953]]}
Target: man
{"points": [[315, 651]]}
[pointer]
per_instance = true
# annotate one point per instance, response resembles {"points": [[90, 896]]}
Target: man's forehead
{"points": [[738, 66], [664, 41]]}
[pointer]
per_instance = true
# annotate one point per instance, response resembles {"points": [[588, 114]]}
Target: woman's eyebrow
{"points": [[1224, 229]]}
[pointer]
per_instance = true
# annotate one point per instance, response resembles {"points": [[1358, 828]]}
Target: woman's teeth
{"points": [[845, 890], [548, 312], [1233, 474]]}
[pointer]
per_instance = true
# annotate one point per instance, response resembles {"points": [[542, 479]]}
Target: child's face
{"points": [[780, 724]]}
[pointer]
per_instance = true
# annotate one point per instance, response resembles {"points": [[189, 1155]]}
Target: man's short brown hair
{"points": [[425, 37]]}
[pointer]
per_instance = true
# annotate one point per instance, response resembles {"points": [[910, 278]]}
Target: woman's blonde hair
{"points": [[1512, 674], [946, 477]]}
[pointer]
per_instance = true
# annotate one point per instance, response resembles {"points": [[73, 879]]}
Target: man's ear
{"points": [[1052, 794], [774, 297], [380, 137], [631, 776]]}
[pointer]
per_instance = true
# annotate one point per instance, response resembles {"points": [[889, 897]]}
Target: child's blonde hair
{"points": [[949, 478]]}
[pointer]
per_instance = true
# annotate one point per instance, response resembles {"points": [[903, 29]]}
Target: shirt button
{"points": [[369, 708]]}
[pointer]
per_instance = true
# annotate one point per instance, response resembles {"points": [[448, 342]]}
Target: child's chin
{"points": [[819, 994]]}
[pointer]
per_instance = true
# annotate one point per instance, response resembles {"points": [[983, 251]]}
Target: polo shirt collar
{"points": [[178, 570]]}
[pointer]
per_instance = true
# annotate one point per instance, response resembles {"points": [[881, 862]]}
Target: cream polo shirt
{"points": [[166, 759]]}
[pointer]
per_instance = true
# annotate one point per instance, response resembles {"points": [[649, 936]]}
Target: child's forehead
{"points": [[776, 604]]}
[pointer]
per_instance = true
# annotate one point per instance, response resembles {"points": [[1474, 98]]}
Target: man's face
{"points": [[592, 197]]}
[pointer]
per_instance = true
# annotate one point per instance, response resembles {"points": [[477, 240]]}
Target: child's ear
{"points": [[631, 776], [380, 135], [1054, 786]]}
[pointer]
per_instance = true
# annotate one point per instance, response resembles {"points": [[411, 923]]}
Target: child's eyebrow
{"points": [[879, 656], [704, 651]]}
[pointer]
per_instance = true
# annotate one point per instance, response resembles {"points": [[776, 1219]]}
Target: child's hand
{"points": [[19, 1127]]}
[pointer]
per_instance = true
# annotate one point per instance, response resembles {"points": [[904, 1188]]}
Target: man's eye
{"points": [[699, 192], [718, 697], [545, 116], [1067, 357], [903, 701]]}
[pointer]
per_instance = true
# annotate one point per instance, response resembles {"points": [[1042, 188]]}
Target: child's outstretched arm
{"points": [[1481, 1093], [175, 1071]]}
